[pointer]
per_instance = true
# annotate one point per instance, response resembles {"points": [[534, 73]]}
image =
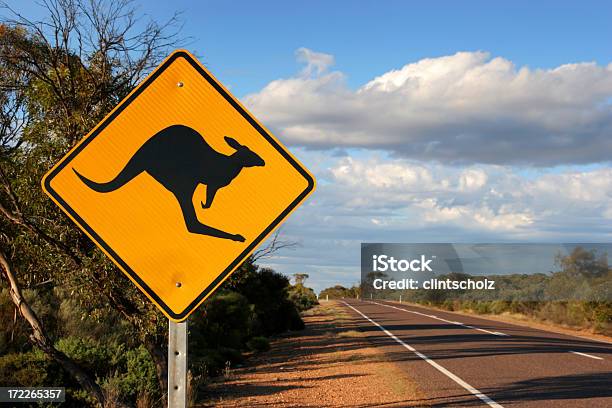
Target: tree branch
{"points": [[273, 246], [17, 217]]}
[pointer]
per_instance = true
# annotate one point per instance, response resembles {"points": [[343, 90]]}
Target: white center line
{"points": [[458, 380], [586, 355], [495, 333]]}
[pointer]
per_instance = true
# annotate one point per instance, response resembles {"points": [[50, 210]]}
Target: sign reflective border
{"points": [[178, 184]]}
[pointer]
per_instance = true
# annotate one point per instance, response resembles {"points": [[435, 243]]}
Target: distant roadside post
{"points": [[178, 185]]}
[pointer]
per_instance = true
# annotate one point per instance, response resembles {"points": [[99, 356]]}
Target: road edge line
{"points": [[467, 326], [549, 330], [586, 355]]}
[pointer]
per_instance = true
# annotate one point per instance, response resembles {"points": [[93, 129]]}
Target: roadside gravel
{"points": [[329, 364]]}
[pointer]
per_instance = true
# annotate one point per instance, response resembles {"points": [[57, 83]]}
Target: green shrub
{"points": [[232, 355], [206, 362], [35, 369], [100, 359], [481, 307], [210, 362], [217, 333], [76, 321], [224, 321], [259, 343], [267, 291], [30, 369], [499, 306], [340, 292], [448, 304], [124, 373], [302, 297], [138, 377]]}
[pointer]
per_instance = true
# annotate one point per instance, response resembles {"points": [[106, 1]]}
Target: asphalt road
{"points": [[468, 361]]}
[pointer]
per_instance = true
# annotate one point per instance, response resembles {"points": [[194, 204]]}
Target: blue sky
{"points": [[439, 121], [249, 43]]}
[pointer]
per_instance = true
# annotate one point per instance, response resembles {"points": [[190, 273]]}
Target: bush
{"points": [[340, 292], [140, 375], [137, 377], [124, 373], [302, 297], [218, 332], [35, 369], [31, 369], [224, 321], [253, 302], [76, 320], [210, 362], [499, 306], [100, 359], [267, 291], [481, 307], [448, 304], [259, 343], [206, 362]]}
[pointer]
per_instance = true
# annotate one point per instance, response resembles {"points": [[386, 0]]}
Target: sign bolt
{"points": [[180, 84], [179, 284]]}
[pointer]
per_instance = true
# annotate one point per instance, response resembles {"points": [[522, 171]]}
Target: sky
{"points": [[444, 121]]}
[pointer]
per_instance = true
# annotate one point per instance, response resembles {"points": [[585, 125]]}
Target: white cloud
{"points": [[370, 191], [462, 108], [316, 62], [367, 196], [472, 179], [443, 150], [431, 193], [381, 174]]}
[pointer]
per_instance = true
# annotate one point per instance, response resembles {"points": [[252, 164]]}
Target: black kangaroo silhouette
{"points": [[179, 159]]}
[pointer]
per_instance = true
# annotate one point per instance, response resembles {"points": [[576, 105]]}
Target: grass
{"points": [[349, 334]]}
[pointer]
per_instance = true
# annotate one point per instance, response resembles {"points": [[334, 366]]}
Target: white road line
{"points": [[589, 339], [435, 365], [586, 355], [495, 333]]}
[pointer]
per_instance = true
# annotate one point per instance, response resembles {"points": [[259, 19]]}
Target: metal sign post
{"points": [[177, 364]]}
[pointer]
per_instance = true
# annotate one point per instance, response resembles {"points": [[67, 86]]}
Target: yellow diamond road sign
{"points": [[178, 184]]}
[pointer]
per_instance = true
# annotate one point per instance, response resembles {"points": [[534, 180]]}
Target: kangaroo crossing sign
{"points": [[178, 184]]}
